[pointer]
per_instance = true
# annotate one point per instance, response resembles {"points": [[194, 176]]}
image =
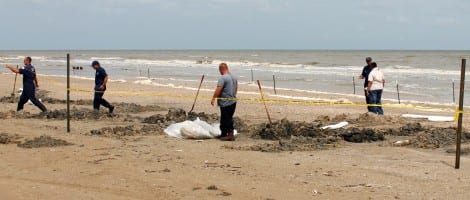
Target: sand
{"points": [[127, 156]]}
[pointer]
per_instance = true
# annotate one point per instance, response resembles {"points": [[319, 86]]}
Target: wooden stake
{"points": [[262, 98], [148, 72], [453, 91], [354, 85], [274, 80], [68, 93], [197, 94], [14, 84], [459, 128], [398, 93]]}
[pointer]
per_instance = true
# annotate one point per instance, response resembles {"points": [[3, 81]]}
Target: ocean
{"points": [[422, 76]]}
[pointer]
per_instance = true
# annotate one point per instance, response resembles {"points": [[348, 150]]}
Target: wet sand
{"points": [[126, 157]]}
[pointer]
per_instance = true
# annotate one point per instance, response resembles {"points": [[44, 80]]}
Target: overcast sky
{"points": [[234, 24]]}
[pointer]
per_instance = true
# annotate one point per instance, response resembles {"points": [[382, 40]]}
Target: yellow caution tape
{"points": [[258, 100]]}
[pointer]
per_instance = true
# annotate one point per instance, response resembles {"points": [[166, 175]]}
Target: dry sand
{"points": [[140, 162]]}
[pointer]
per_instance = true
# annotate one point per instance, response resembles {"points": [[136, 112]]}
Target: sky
{"points": [[234, 24]]}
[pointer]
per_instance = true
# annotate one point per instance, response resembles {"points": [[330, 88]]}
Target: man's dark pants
{"points": [[226, 118], [98, 100], [29, 94], [369, 108], [375, 97]]}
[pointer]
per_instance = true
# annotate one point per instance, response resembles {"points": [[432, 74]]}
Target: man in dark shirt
{"points": [[365, 75], [101, 78], [30, 83]]}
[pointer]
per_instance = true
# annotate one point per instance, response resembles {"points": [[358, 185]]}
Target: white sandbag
{"points": [[336, 126]]}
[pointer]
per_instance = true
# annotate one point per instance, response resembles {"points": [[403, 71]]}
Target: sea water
{"points": [[422, 76]]}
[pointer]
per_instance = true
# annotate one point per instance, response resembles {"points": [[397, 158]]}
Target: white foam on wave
{"points": [[106, 58]]}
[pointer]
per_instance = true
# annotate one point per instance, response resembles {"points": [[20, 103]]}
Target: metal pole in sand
{"points": [[262, 98], [354, 85], [197, 94], [274, 80], [252, 76], [398, 92], [148, 72], [459, 128], [14, 84], [68, 93]]}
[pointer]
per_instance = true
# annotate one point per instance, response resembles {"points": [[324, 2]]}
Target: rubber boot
{"points": [[229, 137]]}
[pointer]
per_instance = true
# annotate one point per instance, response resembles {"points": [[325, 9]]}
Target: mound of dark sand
{"points": [[75, 114], [286, 129], [294, 144], [370, 119], [6, 138], [435, 138], [123, 131], [357, 135], [43, 141], [9, 99]]}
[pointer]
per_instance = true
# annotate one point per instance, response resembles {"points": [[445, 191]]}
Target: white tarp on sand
{"points": [[336, 126], [430, 118]]}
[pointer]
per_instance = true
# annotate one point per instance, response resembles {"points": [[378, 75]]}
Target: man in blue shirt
{"points": [[365, 75], [226, 94], [30, 83], [101, 78]]}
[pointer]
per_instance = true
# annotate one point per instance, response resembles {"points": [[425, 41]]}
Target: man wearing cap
{"points": [[365, 75], [30, 83], [101, 78], [226, 94]]}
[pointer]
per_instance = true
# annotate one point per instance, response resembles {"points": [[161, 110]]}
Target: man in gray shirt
{"points": [[226, 94]]}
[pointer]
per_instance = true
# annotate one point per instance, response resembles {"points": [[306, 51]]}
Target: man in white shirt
{"points": [[375, 89]]}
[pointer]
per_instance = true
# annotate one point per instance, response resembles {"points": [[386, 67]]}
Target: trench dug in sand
{"points": [[283, 135]]}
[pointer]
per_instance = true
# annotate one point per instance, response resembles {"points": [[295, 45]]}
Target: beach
{"points": [[128, 156]]}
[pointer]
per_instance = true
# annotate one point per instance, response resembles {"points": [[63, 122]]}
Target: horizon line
{"points": [[235, 49]]}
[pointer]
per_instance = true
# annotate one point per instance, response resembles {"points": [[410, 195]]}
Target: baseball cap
{"points": [[368, 59], [95, 63]]}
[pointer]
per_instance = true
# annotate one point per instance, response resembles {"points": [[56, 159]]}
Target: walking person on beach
{"points": [[30, 83], [365, 75], [225, 94], [101, 78], [375, 89]]}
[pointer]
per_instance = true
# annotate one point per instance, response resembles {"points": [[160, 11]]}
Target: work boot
{"points": [[222, 134], [229, 137], [111, 109]]}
